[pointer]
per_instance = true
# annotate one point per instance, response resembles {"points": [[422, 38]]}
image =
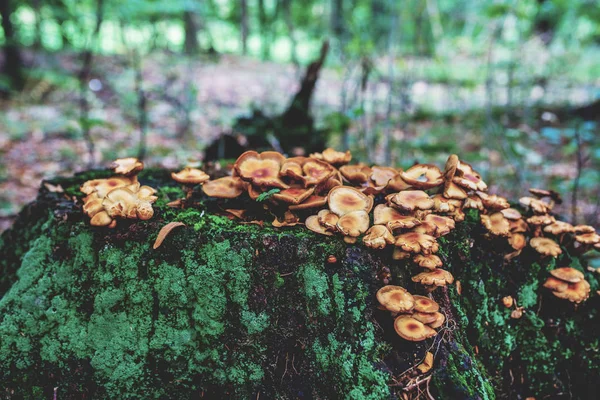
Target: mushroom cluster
{"points": [[119, 196], [416, 317], [568, 283]]}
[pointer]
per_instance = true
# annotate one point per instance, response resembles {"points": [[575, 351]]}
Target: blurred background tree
{"points": [[512, 86]]}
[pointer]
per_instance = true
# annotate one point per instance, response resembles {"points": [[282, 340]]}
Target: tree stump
{"points": [[229, 310]]}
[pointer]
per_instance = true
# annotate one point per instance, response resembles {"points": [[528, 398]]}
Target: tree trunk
{"points": [[244, 26], [287, 15], [191, 33], [337, 18], [13, 65], [263, 22], [230, 310]]}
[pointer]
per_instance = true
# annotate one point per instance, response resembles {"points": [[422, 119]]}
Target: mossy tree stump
{"points": [[224, 309]]}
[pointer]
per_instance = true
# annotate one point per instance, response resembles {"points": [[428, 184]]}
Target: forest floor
{"points": [[40, 134]]}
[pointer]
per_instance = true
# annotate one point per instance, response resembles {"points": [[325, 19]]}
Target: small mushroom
{"points": [[508, 301], [511, 213], [439, 320], [437, 277], [425, 305], [261, 169], [517, 241], [567, 274], [384, 215], [356, 174], [410, 329], [541, 220], [545, 246], [443, 225], [399, 254], [228, 187], [426, 318], [313, 224], [493, 202], [588, 238], [395, 299], [344, 199], [575, 292], [556, 284], [538, 206], [328, 219], [190, 177], [423, 176], [559, 228], [496, 224], [445, 205], [294, 195], [381, 176], [410, 200], [127, 166], [430, 261], [378, 236], [415, 242], [311, 202], [474, 202], [333, 157], [354, 223]]}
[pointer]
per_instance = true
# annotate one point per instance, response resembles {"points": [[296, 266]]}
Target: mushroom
{"points": [[425, 305], [538, 206], [567, 274], [508, 301], [511, 213], [381, 176], [328, 219], [190, 177], [395, 299], [493, 201], [466, 177], [122, 202], [313, 224], [539, 220], [473, 201], [496, 224], [103, 219], [309, 171], [426, 318], [443, 225], [399, 254], [410, 200], [293, 195], [354, 223], [430, 261], [127, 166], [576, 229], [437, 277], [545, 246], [517, 241], [333, 157], [422, 176], [559, 228], [410, 329], [415, 242], [443, 204], [261, 169], [439, 320], [575, 292], [378, 236], [556, 284], [103, 186], [384, 215], [344, 199], [314, 201], [356, 174], [228, 187], [588, 238]]}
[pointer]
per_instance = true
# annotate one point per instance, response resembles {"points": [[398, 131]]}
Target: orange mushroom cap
{"points": [[588, 238], [430, 261], [496, 224], [314, 225], [474, 202], [511, 213], [423, 176], [453, 191], [410, 200], [344, 199], [567, 274], [261, 169], [102, 219], [228, 187], [538, 206], [439, 320], [443, 225], [556, 284], [378, 236], [381, 176], [103, 186], [575, 292], [539, 220], [328, 219], [425, 305], [415, 242], [356, 174], [545, 246], [127, 166], [384, 215], [443, 204], [576, 228], [313, 201], [466, 177], [354, 223], [294, 195], [425, 318], [410, 329], [395, 298], [333, 157], [437, 277], [493, 201], [517, 241], [559, 227], [190, 176]]}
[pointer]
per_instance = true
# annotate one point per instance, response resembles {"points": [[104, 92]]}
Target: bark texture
{"points": [[230, 310]]}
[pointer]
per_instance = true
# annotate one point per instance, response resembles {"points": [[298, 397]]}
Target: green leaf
{"points": [[267, 195]]}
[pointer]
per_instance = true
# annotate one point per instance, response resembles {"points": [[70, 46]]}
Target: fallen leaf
{"points": [[164, 232], [54, 188], [426, 365]]}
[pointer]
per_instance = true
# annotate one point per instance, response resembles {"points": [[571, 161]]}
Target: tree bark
{"points": [[244, 26], [13, 65], [191, 33], [229, 310]]}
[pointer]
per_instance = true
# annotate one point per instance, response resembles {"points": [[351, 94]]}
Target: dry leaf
{"points": [[459, 288], [426, 365], [518, 313], [164, 232]]}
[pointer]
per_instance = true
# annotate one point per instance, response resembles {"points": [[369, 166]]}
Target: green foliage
{"points": [[267, 195]]}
